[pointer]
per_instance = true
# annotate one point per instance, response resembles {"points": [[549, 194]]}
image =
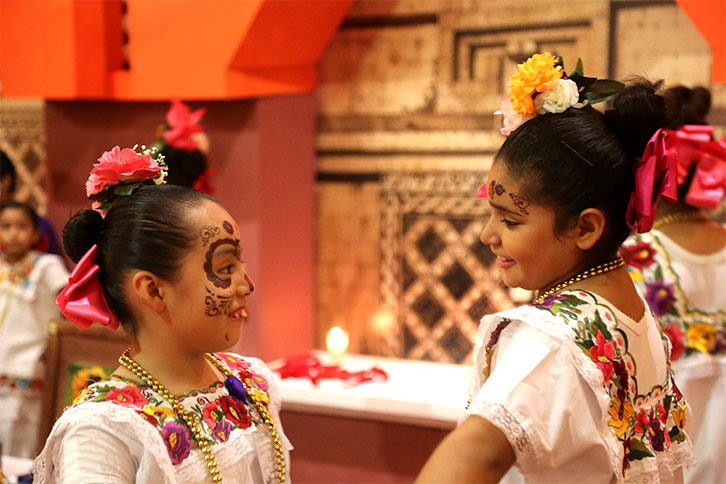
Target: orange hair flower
{"points": [[533, 75]]}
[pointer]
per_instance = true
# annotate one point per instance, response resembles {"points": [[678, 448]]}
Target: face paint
{"points": [[207, 232], [218, 282], [249, 282], [217, 304], [228, 227], [496, 188], [520, 203]]}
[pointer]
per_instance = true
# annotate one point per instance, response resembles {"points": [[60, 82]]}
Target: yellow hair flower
{"points": [[532, 76], [701, 336]]}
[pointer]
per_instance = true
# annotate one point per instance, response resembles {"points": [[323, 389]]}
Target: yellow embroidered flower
{"points": [[158, 412], [679, 416], [81, 396], [701, 336], [533, 75], [620, 416], [636, 276]]}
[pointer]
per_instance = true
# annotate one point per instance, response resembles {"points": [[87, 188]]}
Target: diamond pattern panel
{"points": [[438, 279]]}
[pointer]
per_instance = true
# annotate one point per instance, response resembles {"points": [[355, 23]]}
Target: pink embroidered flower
{"points": [[183, 125], [120, 165], [234, 363], [602, 354], [213, 414], [178, 443], [643, 422], [127, 396], [675, 335]]}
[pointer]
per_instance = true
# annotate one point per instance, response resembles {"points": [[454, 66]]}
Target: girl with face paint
{"points": [[166, 264], [577, 386]]}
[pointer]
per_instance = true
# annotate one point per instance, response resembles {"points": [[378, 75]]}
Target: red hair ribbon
{"points": [[82, 301], [694, 145], [655, 176]]}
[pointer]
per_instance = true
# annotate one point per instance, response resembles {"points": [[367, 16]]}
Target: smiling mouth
{"points": [[239, 313]]}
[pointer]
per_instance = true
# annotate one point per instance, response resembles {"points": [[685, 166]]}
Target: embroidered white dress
{"points": [[582, 393], [688, 293], [120, 431], [27, 306]]}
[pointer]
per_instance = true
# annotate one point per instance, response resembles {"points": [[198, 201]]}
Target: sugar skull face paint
{"points": [[217, 303], [215, 246], [497, 189], [207, 232]]}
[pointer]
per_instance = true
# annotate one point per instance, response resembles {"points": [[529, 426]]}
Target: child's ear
{"points": [[146, 286], [589, 229]]}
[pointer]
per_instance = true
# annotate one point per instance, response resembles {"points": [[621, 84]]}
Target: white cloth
{"points": [[27, 305], [535, 381], [698, 286], [109, 443]]}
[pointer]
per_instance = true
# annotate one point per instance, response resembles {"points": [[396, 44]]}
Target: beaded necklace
{"points": [[233, 385], [679, 217], [616, 263]]}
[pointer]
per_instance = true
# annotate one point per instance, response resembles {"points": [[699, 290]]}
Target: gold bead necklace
{"points": [[280, 467], [691, 215], [616, 263]]}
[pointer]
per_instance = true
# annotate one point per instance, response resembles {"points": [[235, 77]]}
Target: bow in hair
{"points": [[695, 146], [82, 301]]}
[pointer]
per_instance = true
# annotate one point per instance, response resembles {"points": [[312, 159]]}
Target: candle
{"points": [[337, 342]]}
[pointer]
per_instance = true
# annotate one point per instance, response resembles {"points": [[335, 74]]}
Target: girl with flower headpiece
{"points": [[680, 268], [575, 387], [29, 282], [165, 263]]}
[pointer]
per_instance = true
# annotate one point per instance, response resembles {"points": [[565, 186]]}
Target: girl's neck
{"points": [[179, 369], [15, 258]]}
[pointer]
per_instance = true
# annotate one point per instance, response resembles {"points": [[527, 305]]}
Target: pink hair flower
{"points": [[184, 124]]}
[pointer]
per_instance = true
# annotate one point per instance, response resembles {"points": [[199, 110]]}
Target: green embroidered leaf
{"points": [[638, 450], [667, 404], [658, 272], [678, 435], [603, 89]]}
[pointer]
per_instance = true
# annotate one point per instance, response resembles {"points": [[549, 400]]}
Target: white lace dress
{"points": [[688, 293], [27, 306], [582, 392], [119, 431]]}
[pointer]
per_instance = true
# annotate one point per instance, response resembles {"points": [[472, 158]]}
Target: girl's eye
{"points": [[227, 269], [509, 223]]}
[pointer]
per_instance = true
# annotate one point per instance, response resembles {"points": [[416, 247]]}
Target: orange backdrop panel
{"points": [[709, 16]]}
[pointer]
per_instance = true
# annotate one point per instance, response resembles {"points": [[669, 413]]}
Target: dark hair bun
{"points": [[694, 105], [637, 113], [81, 232]]}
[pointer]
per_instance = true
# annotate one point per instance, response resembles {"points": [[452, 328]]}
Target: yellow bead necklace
{"points": [[616, 263], [280, 466]]}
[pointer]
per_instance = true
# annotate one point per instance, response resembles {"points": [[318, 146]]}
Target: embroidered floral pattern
{"points": [[644, 423], [690, 330], [219, 414]]}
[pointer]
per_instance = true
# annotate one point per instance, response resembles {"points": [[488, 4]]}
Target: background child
{"points": [[29, 283], [680, 269], [165, 263], [575, 387]]}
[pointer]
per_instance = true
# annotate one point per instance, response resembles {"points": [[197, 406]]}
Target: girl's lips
{"points": [[505, 263]]}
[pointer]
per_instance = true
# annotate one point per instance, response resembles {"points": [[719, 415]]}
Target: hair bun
{"points": [[81, 232], [638, 112]]}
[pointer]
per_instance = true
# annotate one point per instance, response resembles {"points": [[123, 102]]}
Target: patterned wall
{"points": [[22, 138]]}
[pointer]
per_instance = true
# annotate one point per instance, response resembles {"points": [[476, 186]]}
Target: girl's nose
{"points": [[488, 235], [250, 285]]}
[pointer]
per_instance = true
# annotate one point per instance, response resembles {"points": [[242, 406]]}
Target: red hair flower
{"points": [[183, 125]]}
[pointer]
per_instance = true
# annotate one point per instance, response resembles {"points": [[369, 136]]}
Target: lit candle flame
{"points": [[337, 341]]}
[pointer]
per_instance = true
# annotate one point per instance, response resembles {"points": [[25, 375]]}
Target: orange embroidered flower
{"points": [[532, 76]]}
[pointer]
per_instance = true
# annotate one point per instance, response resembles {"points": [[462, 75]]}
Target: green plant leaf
{"points": [[124, 190], [602, 90], [578, 69], [583, 81]]}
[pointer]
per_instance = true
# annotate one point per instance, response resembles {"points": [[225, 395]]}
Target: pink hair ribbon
{"points": [[694, 145], [655, 175], [82, 301]]}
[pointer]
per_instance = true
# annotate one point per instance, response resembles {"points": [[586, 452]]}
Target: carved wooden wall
{"points": [[406, 135]]}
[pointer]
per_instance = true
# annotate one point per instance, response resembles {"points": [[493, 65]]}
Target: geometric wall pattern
{"points": [[437, 276]]}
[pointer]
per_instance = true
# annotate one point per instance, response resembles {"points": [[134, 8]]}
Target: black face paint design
{"points": [[207, 232], [217, 304], [228, 227], [520, 203], [221, 283]]}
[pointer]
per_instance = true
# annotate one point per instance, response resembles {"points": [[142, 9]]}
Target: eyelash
{"points": [[509, 223]]}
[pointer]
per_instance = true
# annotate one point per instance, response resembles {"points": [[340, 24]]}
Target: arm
{"points": [[476, 451]]}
